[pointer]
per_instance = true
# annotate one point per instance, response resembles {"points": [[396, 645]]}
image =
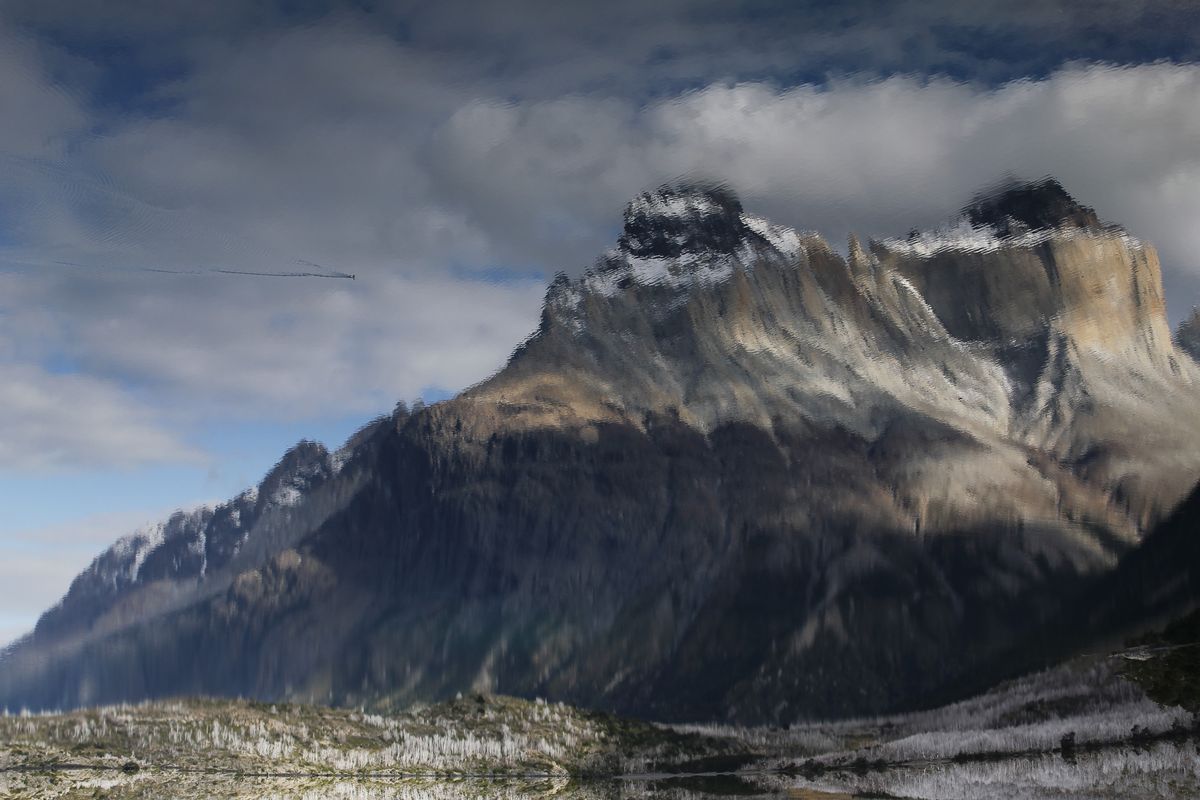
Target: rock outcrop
{"points": [[1020, 207]]}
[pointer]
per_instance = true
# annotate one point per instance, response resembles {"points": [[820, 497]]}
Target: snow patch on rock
{"points": [[964, 237]]}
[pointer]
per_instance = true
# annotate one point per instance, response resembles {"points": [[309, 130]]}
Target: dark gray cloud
{"points": [[533, 48]]}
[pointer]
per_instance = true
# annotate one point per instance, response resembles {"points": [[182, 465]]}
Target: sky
{"points": [[453, 156]]}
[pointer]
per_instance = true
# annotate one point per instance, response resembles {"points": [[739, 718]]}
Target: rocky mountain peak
{"points": [[302, 468], [1024, 206], [1188, 334], [676, 239], [1030, 258], [672, 221]]}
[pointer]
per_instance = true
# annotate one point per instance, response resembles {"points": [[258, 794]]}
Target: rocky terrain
{"points": [[732, 475], [475, 735]]}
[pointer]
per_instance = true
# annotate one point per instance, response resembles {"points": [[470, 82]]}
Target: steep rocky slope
{"points": [[732, 474], [1074, 310], [165, 559], [1188, 335]]}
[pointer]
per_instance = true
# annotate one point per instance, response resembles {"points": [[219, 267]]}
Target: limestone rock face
{"points": [[1000, 278], [1074, 311], [732, 474], [1050, 338]]}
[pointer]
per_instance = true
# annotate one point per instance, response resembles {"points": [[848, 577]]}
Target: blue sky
{"points": [[453, 156]]}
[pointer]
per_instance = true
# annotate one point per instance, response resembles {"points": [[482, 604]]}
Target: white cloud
{"points": [[61, 420], [272, 154], [211, 348], [877, 157]]}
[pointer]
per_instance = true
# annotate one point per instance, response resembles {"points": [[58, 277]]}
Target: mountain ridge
{"points": [[722, 415]]}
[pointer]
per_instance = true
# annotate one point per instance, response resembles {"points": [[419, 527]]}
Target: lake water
{"points": [[1166, 770]]}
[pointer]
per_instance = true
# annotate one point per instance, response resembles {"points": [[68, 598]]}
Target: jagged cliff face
{"points": [[1074, 312], [1048, 340], [733, 474], [1033, 261]]}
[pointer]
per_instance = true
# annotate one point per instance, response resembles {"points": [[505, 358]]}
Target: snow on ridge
{"points": [[785, 239], [132, 551], [705, 269], [199, 547], [965, 237], [120, 564], [294, 485], [617, 268], [962, 237], [682, 271], [673, 205], [285, 496]]}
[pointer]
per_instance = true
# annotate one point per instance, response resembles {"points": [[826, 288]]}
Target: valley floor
{"points": [[1081, 730]]}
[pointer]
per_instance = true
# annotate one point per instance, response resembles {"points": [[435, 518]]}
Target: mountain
{"points": [[1018, 207], [733, 474], [1188, 335], [1155, 584], [163, 564], [1075, 312]]}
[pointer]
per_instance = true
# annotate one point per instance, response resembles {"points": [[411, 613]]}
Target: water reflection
{"points": [[1166, 770]]}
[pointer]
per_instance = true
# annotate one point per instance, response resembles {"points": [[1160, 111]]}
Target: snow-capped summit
{"points": [[678, 237], [676, 220], [1012, 215], [1035, 205]]}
